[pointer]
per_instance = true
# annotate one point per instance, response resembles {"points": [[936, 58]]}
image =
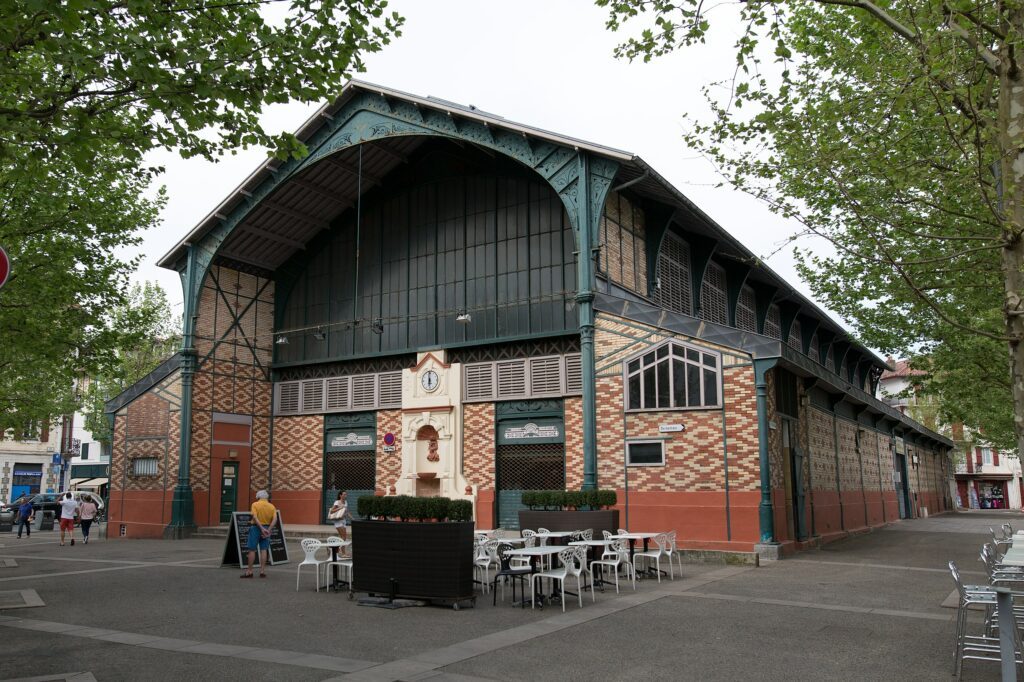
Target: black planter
{"points": [[602, 519], [432, 561]]}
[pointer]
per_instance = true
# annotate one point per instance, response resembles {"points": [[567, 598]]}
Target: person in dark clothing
{"points": [[25, 515]]}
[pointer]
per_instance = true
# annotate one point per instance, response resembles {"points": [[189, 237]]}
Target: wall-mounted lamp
{"points": [[282, 340], [463, 317], [319, 334], [377, 327]]}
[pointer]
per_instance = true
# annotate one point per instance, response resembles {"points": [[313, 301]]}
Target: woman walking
{"points": [[339, 514], [87, 511]]}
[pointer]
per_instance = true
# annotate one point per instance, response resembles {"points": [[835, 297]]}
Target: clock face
{"points": [[430, 380]]}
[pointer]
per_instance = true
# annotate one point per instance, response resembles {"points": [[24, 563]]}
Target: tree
{"points": [[896, 133], [88, 88], [148, 333]]}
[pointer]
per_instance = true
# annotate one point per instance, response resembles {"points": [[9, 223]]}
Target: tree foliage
{"points": [[889, 131], [88, 88], [148, 334]]}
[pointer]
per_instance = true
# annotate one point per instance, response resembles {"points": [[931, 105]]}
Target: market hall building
{"points": [[438, 301]]}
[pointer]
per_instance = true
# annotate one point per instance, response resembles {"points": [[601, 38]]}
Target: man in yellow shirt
{"points": [[264, 518]]}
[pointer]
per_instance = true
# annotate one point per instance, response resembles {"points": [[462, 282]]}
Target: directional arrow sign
{"points": [[5, 267]]}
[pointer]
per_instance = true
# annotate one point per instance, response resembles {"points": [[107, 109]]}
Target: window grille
{"points": [[526, 467], [364, 393], [313, 396], [830, 359], [523, 378], [673, 376], [772, 323], [713, 306], [673, 290], [795, 341], [623, 252], [746, 310], [390, 389], [814, 351], [145, 466], [288, 398], [354, 472], [339, 394]]}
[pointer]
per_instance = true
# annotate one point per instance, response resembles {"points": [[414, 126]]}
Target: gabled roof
{"points": [[902, 368], [279, 225]]}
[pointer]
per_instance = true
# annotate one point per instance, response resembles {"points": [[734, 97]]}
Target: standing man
{"points": [[68, 512], [264, 518], [25, 515]]}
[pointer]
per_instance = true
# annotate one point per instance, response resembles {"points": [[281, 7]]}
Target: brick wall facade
{"points": [[389, 464], [573, 443], [478, 450]]}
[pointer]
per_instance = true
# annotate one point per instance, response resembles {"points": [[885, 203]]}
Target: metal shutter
{"points": [[479, 381], [546, 376], [795, 339], [713, 306], [772, 325], [288, 398], [364, 391], [313, 395], [338, 393], [390, 389], [511, 378], [673, 290], [746, 306], [573, 374]]}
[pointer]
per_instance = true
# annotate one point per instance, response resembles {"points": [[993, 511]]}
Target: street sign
{"points": [[5, 267]]}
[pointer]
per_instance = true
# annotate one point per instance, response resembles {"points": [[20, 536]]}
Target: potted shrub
{"points": [[562, 510], [414, 547]]}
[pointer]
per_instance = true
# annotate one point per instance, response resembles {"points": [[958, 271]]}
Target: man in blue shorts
{"points": [[264, 518]]}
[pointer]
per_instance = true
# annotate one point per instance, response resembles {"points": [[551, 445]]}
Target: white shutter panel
{"points": [[313, 395], [338, 393], [573, 374], [288, 398], [511, 378], [364, 391], [480, 381], [546, 376], [390, 389]]}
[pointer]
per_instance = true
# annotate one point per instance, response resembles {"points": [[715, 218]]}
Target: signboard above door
{"points": [[346, 440]]}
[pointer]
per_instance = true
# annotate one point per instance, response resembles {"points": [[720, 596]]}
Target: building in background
{"points": [[30, 461], [404, 311], [90, 459]]}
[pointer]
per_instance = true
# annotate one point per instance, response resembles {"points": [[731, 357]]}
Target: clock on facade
{"points": [[430, 380]]}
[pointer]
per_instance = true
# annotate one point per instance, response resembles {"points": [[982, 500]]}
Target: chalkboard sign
{"points": [[236, 551]]}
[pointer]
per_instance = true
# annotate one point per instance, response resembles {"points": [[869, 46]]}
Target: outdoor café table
{"points": [[336, 582], [554, 535], [533, 553], [633, 537], [592, 546]]}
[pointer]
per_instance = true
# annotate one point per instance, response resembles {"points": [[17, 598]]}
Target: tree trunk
{"points": [[1011, 166]]}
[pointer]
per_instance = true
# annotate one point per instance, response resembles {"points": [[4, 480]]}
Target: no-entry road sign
{"points": [[5, 267]]}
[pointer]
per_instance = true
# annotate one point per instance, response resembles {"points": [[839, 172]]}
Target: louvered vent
{"points": [[673, 290], [546, 376], [795, 339], [814, 351], [713, 307], [573, 374], [746, 316], [830, 360], [288, 398], [391, 389], [511, 378], [364, 390], [480, 381], [338, 393], [313, 395], [772, 325]]}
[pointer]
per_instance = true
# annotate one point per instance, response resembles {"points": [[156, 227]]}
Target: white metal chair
{"points": [[615, 557], [310, 546], [985, 647], [573, 563], [530, 537], [543, 541], [661, 540], [485, 557], [673, 551]]}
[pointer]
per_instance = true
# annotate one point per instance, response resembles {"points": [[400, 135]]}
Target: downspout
{"points": [[765, 511], [181, 502], [585, 306]]}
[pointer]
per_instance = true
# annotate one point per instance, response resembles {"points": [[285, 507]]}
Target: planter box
{"points": [[432, 561], [602, 519]]}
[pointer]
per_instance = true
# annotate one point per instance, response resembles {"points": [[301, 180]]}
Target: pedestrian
{"points": [[264, 518], [340, 515], [26, 512], [68, 512], [87, 514]]}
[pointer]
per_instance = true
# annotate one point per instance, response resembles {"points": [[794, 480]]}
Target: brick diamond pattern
{"points": [[389, 464], [741, 429], [146, 447], [574, 443], [478, 456], [117, 460], [259, 471], [202, 438], [298, 452], [849, 461], [822, 450]]}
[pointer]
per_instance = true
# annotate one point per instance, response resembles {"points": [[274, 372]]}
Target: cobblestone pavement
{"points": [[867, 607]]}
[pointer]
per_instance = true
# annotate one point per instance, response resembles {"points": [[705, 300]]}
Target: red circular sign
{"points": [[389, 439], [5, 266]]}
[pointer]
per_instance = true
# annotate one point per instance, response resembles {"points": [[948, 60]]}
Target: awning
{"points": [[76, 481], [983, 477], [89, 482]]}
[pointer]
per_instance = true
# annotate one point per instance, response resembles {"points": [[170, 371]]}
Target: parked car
{"points": [[51, 502]]}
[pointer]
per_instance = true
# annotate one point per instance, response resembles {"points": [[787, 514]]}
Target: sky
{"points": [[541, 63]]}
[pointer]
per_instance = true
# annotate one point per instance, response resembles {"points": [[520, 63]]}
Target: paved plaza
{"points": [[869, 607]]}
